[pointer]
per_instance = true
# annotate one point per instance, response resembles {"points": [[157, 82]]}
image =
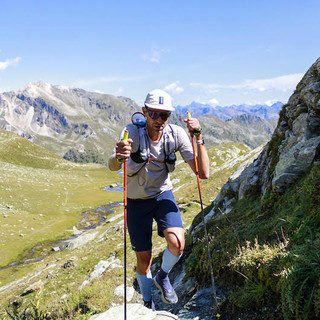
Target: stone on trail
{"points": [[119, 291], [134, 312], [37, 286], [81, 240], [100, 269]]}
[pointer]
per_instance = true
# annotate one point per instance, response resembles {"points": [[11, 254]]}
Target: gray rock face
{"points": [[244, 178], [299, 130], [293, 148], [294, 162]]}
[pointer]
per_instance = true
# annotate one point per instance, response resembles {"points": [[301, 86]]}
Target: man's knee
{"points": [[176, 248], [176, 241]]}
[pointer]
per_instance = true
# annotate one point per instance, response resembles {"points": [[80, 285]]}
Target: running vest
{"points": [[142, 155]]}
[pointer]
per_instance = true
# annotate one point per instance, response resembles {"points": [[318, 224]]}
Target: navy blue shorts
{"points": [[140, 215]]}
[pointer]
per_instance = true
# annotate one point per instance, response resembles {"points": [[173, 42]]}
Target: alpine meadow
{"points": [[61, 209]]}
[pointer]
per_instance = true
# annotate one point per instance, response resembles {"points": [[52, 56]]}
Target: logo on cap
{"points": [[161, 100]]}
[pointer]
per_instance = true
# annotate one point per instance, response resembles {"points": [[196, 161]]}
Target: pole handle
{"points": [[125, 135], [188, 115], [124, 138]]}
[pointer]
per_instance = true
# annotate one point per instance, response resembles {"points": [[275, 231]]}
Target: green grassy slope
{"points": [[56, 194], [42, 195], [267, 252]]}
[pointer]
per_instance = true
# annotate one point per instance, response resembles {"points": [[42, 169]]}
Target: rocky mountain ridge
{"points": [[63, 118], [82, 126]]}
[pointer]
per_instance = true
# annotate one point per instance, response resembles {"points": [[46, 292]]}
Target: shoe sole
{"points": [[162, 294]]}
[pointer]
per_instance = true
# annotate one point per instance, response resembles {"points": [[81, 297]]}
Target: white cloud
{"points": [[155, 55], [9, 62], [283, 83], [119, 92], [214, 102], [270, 102], [174, 88]]}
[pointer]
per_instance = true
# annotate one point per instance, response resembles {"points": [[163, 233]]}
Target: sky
{"points": [[210, 51]]}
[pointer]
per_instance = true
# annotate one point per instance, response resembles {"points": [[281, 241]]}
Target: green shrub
{"points": [[300, 289], [258, 266]]}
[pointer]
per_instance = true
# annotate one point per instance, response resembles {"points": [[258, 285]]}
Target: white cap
{"points": [[159, 99]]}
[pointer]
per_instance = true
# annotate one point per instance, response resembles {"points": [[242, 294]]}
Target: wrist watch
{"points": [[200, 141]]}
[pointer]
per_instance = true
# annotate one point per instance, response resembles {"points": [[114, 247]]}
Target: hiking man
{"points": [[150, 152]]}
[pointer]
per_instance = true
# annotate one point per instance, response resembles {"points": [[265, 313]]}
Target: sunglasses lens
{"points": [[165, 116], [155, 115]]}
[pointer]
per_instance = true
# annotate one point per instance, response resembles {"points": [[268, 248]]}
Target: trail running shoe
{"points": [[168, 294], [149, 305]]}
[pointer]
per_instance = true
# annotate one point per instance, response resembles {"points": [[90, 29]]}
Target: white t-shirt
{"points": [[149, 180]]}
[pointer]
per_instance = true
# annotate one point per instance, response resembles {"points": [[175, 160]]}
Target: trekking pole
{"points": [[125, 138], [203, 219]]}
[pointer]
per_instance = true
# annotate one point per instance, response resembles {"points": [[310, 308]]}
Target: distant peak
{"points": [[35, 89], [38, 84]]}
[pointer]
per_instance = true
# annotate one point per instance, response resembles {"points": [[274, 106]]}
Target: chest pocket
{"points": [[141, 157]]}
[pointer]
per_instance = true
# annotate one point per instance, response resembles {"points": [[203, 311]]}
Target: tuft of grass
{"points": [[258, 267]]}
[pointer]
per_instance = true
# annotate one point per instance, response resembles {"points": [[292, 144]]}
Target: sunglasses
{"points": [[156, 114]]}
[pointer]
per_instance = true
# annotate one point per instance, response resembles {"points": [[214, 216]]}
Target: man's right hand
{"points": [[123, 149]]}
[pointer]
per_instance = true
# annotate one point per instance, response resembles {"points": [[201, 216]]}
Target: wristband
{"points": [[196, 132], [201, 142]]}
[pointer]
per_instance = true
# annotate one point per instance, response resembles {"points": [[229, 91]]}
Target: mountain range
{"points": [[262, 111], [82, 126], [64, 119]]}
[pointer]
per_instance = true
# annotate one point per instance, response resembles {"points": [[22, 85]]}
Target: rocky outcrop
{"points": [[300, 130], [293, 148]]}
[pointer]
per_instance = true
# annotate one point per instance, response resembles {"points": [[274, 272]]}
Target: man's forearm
{"points": [[113, 163], [203, 159]]}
